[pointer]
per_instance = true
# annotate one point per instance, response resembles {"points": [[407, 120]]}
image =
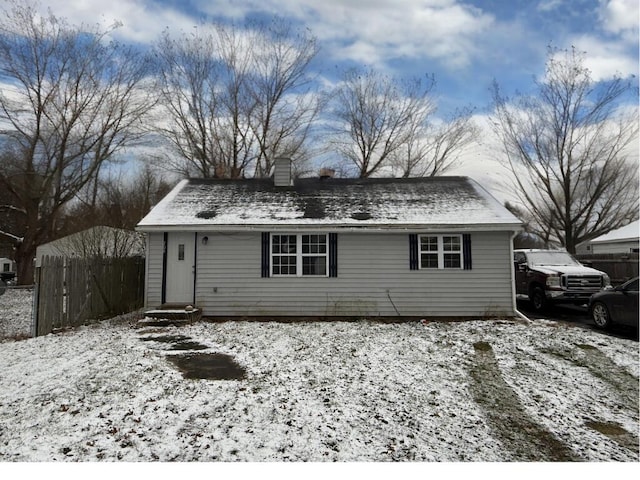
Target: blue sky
{"points": [[464, 44]]}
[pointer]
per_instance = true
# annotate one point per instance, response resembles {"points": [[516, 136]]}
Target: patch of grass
{"points": [[616, 433], [482, 347], [606, 428]]}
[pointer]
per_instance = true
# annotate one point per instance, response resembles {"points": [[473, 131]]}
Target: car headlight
{"points": [[606, 281], [553, 281]]}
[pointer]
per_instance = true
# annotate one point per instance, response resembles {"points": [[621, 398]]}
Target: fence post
{"points": [[35, 303]]}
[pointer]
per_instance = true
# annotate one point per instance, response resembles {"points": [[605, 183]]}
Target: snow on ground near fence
{"points": [[335, 391], [15, 313]]}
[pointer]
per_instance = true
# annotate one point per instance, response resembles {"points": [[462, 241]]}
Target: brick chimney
{"points": [[282, 175], [326, 173]]}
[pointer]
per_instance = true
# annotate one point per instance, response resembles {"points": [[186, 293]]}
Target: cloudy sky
{"points": [[464, 44]]}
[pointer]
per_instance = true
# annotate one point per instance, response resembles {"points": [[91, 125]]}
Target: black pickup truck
{"points": [[548, 277]]}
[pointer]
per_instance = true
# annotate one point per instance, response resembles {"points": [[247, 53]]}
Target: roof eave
{"points": [[370, 227]]}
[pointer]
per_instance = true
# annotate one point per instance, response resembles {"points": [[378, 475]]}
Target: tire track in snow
{"points": [[623, 382], [507, 418]]}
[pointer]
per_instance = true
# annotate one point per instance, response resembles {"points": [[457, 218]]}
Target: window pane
{"points": [[451, 244], [284, 265], [314, 265], [451, 260], [181, 251], [283, 244], [314, 244], [429, 260], [429, 244]]}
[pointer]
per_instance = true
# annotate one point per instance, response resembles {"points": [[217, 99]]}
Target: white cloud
{"points": [[548, 5], [621, 17], [606, 59], [142, 21], [364, 31], [378, 31]]}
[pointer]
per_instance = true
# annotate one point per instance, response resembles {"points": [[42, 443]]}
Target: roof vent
{"points": [[282, 176]]}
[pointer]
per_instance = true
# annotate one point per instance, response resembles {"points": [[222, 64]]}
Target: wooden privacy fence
{"points": [[620, 267], [72, 291]]}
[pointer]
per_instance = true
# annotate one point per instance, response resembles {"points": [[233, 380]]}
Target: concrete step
{"points": [[171, 315]]}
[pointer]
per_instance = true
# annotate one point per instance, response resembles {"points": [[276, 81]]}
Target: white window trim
{"points": [[440, 252], [299, 255]]}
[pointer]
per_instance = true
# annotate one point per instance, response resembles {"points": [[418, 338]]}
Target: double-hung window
{"points": [[299, 255], [284, 254], [440, 251]]}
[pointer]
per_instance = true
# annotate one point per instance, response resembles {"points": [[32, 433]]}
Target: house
{"points": [[7, 265], [331, 247], [624, 240], [99, 241]]}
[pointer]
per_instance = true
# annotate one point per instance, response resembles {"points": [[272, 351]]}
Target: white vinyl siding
{"points": [[630, 246], [153, 269], [373, 280]]}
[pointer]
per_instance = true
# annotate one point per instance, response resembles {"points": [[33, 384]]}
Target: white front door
{"points": [[180, 267]]}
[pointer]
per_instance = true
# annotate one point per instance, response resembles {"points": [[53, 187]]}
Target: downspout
{"points": [[513, 281], [163, 298], [195, 267]]}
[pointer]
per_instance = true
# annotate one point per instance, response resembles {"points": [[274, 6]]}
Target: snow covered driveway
{"points": [[361, 391]]}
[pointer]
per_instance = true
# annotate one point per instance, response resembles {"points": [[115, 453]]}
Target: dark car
{"points": [[617, 305]]}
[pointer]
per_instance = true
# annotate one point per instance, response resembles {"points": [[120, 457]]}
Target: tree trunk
{"points": [[24, 257]]}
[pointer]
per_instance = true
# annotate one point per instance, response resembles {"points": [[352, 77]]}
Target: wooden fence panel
{"points": [[51, 297], [73, 291], [619, 267], [77, 296]]}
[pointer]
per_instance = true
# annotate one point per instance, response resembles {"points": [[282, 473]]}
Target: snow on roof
{"points": [[628, 232], [372, 202]]}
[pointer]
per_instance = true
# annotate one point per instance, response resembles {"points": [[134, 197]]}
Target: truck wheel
{"points": [[538, 299], [600, 315]]}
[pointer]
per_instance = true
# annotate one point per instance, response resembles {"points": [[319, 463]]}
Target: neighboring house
{"points": [[7, 265], [331, 247], [100, 241], [622, 240]]}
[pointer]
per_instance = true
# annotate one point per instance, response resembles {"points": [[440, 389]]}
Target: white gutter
{"points": [[513, 281], [327, 227]]}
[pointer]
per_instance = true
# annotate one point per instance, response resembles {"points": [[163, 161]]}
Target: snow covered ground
{"points": [[488, 391], [15, 314]]}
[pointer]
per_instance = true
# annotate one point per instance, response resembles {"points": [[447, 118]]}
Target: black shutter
{"points": [[413, 251], [333, 254], [466, 251], [266, 254]]}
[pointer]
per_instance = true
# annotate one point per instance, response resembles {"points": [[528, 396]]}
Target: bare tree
{"points": [[432, 149], [203, 85], [120, 201], [280, 83], [236, 97], [568, 148], [70, 99], [99, 242], [375, 116]]}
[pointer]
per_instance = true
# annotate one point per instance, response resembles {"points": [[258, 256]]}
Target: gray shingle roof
{"points": [[315, 202]]}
